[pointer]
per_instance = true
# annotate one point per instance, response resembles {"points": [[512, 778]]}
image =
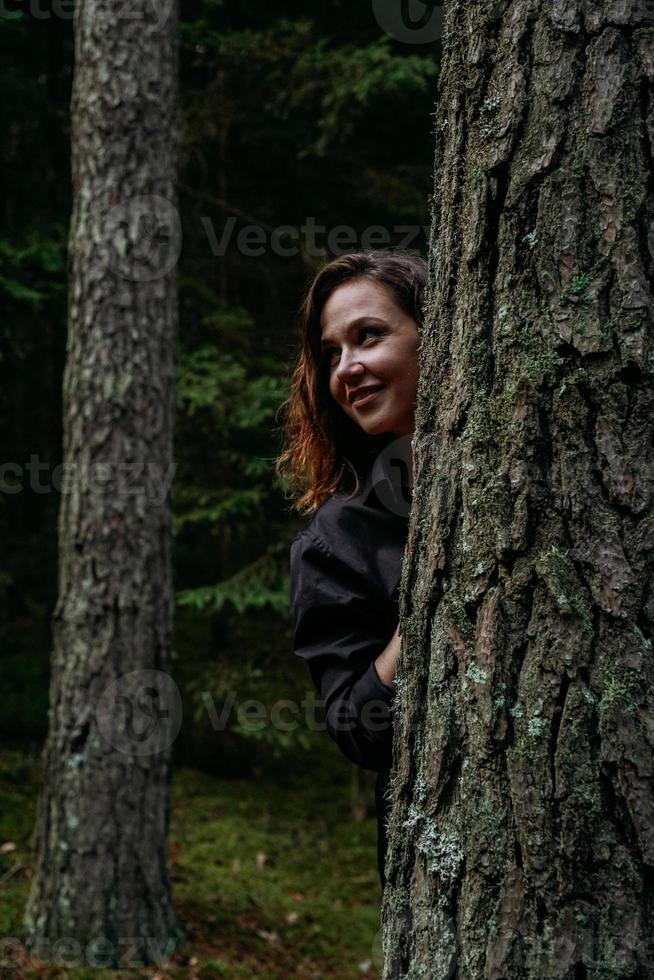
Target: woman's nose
{"points": [[349, 366]]}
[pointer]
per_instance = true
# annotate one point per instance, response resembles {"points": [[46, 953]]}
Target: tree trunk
{"points": [[522, 824], [101, 889]]}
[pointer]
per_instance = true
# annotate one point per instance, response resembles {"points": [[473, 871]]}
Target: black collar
{"points": [[386, 483]]}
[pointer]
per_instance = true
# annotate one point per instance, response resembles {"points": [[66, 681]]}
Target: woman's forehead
{"points": [[353, 301]]}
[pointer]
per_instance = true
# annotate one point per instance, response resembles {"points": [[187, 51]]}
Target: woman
{"points": [[348, 426]]}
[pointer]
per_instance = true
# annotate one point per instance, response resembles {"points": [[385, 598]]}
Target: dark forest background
{"points": [[291, 113]]}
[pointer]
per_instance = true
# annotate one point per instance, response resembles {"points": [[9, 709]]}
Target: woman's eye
{"points": [[329, 353]]}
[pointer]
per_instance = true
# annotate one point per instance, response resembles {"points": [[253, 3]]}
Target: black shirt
{"points": [[345, 568]]}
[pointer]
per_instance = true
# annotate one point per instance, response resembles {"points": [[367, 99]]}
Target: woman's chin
{"points": [[376, 427]]}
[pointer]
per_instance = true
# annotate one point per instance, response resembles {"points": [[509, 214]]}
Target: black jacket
{"points": [[345, 568]]}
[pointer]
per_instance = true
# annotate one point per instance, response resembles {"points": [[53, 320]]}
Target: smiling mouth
{"points": [[371, 394]]}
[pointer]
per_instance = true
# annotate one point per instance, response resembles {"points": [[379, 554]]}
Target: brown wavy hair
{"points": [[324, 449]]}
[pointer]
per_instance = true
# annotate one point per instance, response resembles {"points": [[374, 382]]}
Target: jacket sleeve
{"points": [[339, 629]]}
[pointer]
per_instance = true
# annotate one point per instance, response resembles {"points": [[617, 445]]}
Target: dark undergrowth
{"points": [[271, 878]]}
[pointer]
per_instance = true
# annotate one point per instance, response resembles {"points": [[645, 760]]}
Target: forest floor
{"points": [[269, 880]]}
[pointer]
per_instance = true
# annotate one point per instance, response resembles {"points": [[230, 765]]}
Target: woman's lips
{"points": [[362, 402]]}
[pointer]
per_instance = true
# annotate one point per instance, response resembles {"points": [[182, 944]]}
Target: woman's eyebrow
{"points": [[359, 322]]}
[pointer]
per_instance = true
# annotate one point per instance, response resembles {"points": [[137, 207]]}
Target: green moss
{"points": [[473, 181], [577, 288], [312, 908], [632, 201], [539, 360], [454, 612], [480, 427], [556, 556], [534, 363], [615, 694], [523, 748], [582, 612], [556, 569]]}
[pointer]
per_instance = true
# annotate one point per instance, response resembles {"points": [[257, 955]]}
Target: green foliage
{"points": [[234, 506], [218, 395], [32, 276], [307, 75], [285, 115], [347, 82], [251, 588], [206, 380]]}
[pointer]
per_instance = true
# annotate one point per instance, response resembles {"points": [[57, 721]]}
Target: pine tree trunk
{"points": [[522, 824], [102, 875]]}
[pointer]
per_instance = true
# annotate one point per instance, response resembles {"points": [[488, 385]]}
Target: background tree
{"points": [[522, 828], [103, 870]]}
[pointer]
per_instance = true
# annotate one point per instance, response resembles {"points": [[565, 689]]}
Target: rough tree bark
{"points": [[522, 824], [101, 889]]}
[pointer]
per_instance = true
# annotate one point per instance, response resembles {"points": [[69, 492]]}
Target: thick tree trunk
{"points": [[102, 874], [522, 825]]}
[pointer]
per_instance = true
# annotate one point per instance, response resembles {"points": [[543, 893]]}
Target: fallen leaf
{"points": [[7, 847]]}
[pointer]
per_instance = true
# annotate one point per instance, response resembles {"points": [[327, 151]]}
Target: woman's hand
{"points": [[386, 662]]}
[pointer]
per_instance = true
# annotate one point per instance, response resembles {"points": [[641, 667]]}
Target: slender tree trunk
{"points": [[102, 880], [522, 825]]}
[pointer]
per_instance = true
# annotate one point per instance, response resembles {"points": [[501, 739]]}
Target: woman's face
{"points": [[370, 342]]}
